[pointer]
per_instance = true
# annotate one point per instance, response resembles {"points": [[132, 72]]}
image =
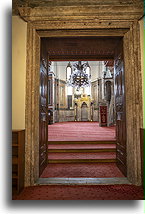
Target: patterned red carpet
{"points": [[81, 192], [79, 131], [80, 155], [88, 170], [81, 146]]}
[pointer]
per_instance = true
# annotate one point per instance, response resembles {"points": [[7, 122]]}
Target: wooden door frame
{"points": [[40, 26]]}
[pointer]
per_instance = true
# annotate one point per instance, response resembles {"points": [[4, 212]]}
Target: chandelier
{"points": [[78, 75]]}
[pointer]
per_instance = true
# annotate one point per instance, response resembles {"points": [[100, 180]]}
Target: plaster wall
{"points": [[19, 35]]}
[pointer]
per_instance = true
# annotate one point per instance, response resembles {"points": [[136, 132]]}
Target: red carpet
{"points": [[86, 170], [80, 155], [79, 131], [81, 192], [81, 146]]}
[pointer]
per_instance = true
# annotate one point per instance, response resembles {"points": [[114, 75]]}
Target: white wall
{"points": [[19, 33], [59, 68], [96, 69]]}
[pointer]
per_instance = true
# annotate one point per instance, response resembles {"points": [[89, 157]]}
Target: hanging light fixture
{"points": [[68, 71], [79, 76]]}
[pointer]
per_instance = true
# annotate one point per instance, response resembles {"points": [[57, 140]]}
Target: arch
{"points": [[84, 112], [84, 104]]}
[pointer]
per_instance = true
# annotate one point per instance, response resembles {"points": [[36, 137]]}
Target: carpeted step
{"points": [[87, 170], [101, 155], [82, 192], [81, 157], [83, 142], [84, 131], [82, 161], [76, 138], [82, 148]]}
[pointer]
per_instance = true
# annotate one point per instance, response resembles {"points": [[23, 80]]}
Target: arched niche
{"points": [[84, 112]]}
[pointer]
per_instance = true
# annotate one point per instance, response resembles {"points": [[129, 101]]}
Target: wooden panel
{"points": [[81, 48], [43, 114], [120, 109], [18, 160], [103, 115], [142, 139]]}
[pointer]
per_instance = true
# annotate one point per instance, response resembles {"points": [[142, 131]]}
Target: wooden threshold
{"points": [[82, 161]]}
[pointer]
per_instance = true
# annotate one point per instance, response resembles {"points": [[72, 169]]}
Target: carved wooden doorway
{"points": [[120, 108], [43, 109]]}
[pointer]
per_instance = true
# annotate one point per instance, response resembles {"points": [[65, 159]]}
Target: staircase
{"points": [[82, 152]]}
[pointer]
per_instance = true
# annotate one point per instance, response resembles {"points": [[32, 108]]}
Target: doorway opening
{"points": [[93, 107], [69, 104]]}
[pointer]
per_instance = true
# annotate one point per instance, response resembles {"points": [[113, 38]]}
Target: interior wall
{"points": [[58, 68], [19, 33], [142, 21]]}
